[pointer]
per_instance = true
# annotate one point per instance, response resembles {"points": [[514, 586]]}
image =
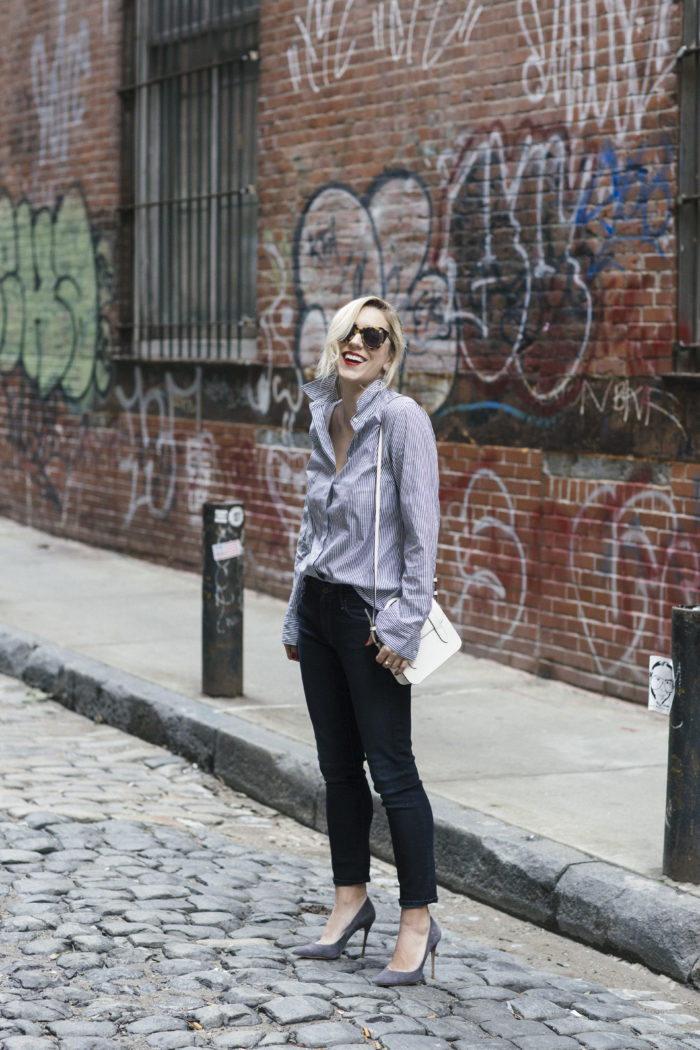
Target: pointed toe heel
{"points": [[388, 978], [362, 921]]}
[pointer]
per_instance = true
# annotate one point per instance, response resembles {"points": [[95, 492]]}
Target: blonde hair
{"points": [[342, 322]]}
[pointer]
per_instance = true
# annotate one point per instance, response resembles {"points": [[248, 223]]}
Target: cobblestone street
{"points": [[145, 905]]}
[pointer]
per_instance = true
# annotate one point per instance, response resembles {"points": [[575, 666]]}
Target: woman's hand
{"points": [[391, 660], [292, 653]]}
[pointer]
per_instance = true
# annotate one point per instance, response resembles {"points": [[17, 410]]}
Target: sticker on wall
{"points": [[236, 517], [661, 684], [227, 550]]}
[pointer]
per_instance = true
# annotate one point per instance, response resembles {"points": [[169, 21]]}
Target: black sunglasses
{"points": [[371, 337]]}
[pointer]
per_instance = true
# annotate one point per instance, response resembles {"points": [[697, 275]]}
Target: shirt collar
{"points": [[321, 389], [324, 391]]}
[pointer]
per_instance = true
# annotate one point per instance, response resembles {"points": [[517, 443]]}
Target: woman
{"points": [[357, 708]]}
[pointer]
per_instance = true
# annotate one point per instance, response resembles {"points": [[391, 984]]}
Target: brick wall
{"points": [[504, 172]]}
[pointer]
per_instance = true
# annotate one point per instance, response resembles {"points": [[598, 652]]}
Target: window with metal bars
{"points": [[687, 349], [193, 199]]}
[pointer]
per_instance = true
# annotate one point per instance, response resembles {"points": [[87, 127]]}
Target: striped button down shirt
{"points": [[336, 539]]}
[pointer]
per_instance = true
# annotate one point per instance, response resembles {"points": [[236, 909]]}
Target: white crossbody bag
{"points": [[438, 638]]}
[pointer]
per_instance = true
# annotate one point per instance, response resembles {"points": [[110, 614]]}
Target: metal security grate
{"points": [[687, 350], [191, 203]]}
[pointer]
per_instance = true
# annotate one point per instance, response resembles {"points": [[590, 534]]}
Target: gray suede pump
{"points": [[388, 977], [362, 921]]}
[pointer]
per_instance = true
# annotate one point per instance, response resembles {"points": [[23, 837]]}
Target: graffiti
{"points": [[94, 451], [52, 450], [60, 104], [283, 466], [284, 471], [270, 388], [524, 235], [630, 559], [228, 591], [491, 561], [200, 465], [559, 67], [333, 36], [395, 33], [151, 459], [152, 456], [626, 199], [316, 32], [55, 286], [347, 246], [508, 295], [523, 306], [627, 401], [55, 289], [564, 43], [630, 555], [40, 452]]}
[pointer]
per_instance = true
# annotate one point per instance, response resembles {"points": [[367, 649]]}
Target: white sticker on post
{"points": [[227, 550], [662, 686], [221, 516], [235, 517]]}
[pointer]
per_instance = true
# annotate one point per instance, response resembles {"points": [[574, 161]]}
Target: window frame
{"points": [[180, 199]]}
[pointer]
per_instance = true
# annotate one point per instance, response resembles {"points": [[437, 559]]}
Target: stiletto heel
{"points": [[362, 921], [391, 977]]}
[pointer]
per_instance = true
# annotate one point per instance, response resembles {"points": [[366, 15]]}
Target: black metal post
{"points": [[682, 837], [222, 599]]}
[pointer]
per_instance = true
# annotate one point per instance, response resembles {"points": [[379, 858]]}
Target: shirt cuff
{"points": [[401, 636], [290, 629]]}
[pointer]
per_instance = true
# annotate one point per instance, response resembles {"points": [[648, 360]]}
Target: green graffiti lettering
{"points": [[11, 299], [55, 283]]}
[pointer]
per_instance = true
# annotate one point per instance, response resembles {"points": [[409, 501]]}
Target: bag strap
{"points": [[377, 504]]}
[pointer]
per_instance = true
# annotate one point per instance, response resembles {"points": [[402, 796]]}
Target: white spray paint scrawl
{"points": [[661, 684]]}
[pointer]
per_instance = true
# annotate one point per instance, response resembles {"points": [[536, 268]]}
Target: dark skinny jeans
{"points": [[358, 710]]}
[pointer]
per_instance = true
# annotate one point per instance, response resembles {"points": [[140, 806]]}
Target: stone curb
{"points": [[531, 877]]}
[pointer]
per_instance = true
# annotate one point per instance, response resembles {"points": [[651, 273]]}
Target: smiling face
{"points": [[358, 365]]}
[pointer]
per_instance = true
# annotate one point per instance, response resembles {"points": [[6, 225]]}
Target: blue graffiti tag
{"points": [[622, 192]]}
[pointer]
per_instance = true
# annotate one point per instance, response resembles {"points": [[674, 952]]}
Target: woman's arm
{"points": [[290, 626], [412, 452]]}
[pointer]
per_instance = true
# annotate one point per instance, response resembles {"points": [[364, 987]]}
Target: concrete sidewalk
{"points": [[549, 801]]}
